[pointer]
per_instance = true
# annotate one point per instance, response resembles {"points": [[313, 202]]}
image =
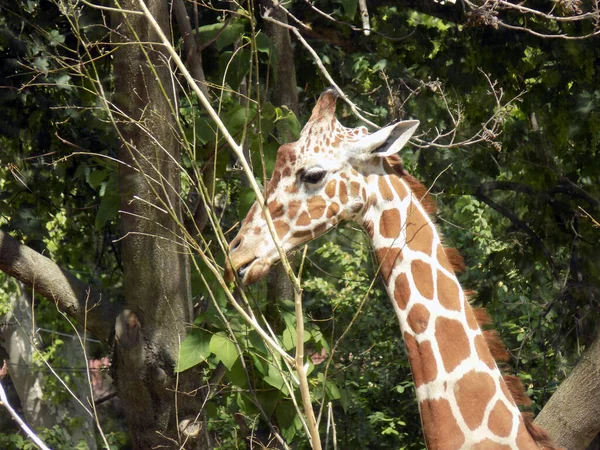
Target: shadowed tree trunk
{"points": [[156, 269], [285, 93], [572, 415]]}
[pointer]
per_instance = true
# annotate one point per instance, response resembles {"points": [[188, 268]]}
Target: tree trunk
{"points": [[156, 268], [572, 415], [285, 92]]}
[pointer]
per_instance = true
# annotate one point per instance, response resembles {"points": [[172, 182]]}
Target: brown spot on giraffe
{"points": [[452, 341], [488, 444], [251, 213], [332, 210], [354, 188], [418, 318], [422, 361], [440, 255], [473, 392], [483, 352], [384, 189], [500, 421], [293, 208], [286, 172], [401, 291], [343, 195], [300, 234], [439, 425], [419, 232], [398, 187], [423, 278], [506, 392], [330, 188], [471, 320], [319, 229], [363, 194], [388, 257], [389, 223], [275, 209], [304, 219], [281, 228], [316, 206], [447, 292]]}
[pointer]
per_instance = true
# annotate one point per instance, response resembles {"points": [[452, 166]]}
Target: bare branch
{"points": [[488, 13]]}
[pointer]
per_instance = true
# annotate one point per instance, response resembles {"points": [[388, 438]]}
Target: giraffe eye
{"points": [[313, 176]]}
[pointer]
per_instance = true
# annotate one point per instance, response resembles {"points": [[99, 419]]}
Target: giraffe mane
{"points": [[492, 339]]}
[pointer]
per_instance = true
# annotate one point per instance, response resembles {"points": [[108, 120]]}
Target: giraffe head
{"points": [[318, 181]]}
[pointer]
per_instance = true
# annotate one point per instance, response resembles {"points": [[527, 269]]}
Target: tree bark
{"points": [[156, 268], [572, 415], [285, 93]]}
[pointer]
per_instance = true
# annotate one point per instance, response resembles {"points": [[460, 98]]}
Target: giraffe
{"points": [[333, 173]]}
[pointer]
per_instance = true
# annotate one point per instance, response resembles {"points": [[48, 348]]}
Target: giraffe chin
{"points": [[255, 272]]}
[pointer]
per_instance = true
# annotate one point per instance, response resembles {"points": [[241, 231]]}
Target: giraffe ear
{"points": [[385, 142]]}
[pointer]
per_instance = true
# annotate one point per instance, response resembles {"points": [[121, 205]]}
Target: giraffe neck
{"points": [[463, 399]]}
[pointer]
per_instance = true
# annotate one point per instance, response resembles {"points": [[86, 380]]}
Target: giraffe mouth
{"points": [[243, 270], [253, 271]]}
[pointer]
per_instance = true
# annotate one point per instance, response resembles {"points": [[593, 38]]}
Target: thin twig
{"points": [[302, 379]]}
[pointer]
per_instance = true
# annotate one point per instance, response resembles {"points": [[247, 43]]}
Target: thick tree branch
{"points": [[72, 296]]}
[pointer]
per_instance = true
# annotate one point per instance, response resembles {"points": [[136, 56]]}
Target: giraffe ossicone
{"points": [[333, 173]]}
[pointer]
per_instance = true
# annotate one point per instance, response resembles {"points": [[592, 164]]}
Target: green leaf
{"points": [[222, 347], [237, 66], [263, 43], [289, 338], [237, 375], [286, 413], [275, 379], [204, 131], [96, 178], [350, 7], [108, 209], [194, 349], [332, 390], [227, 37], [56, 38]]}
